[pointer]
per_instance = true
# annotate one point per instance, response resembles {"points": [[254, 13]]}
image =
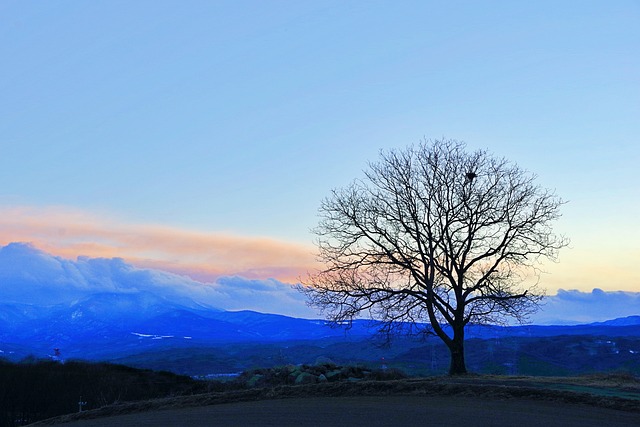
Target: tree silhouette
{"points": [[433, 238]]}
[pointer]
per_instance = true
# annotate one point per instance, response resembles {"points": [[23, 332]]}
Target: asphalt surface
{"points": [[371, 411]]}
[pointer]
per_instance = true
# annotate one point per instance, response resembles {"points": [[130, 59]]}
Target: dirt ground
{"points": [[370, 411]]}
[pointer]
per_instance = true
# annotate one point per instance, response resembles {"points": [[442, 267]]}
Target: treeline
{"points": [[564, 355], [35, 389]]}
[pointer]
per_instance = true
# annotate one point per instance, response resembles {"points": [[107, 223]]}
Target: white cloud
{"points": [[203, 256], [573, 306], [28, 275]]}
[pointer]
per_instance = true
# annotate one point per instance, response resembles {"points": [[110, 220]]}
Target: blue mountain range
{"points": [[108, 325]]}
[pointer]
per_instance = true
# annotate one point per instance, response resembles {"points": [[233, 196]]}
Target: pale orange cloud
{"points": [[205, 256], [201, 255]]}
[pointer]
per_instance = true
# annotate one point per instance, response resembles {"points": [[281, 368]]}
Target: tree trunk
{"points": [[456, 348]]}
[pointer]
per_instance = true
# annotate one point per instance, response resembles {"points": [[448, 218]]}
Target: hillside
{"points": [[147, 331], [445, 401], [34, 390]]}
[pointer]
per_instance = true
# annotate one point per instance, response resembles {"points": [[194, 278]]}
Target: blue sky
{"points": [[223, 124]]}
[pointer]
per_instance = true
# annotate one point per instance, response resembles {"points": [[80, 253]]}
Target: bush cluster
{"points": [[313, 374]]}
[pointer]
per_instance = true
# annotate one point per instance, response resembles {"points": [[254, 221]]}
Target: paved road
{"points": [[371, 411]]}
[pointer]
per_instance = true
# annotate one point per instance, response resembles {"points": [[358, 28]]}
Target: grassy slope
{"points": [[609, 391]]}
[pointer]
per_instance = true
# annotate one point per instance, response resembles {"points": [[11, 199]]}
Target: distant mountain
{"points": [[116, 323], [626, 326], [110, 325], [624, 321]]}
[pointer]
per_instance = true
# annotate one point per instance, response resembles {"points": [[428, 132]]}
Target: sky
{"points": [[198, 138]]}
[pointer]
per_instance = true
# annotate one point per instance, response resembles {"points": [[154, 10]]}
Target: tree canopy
{"points": [[435, 236]]}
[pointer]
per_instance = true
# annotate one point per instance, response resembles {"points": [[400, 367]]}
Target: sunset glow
{"points": [[199, 255]]}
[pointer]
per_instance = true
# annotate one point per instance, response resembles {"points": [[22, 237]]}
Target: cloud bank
{"points": [[201, 256], [31, 276], [573, 306]]}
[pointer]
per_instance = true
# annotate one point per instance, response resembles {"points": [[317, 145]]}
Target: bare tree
{"points": [[435, 237]]}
